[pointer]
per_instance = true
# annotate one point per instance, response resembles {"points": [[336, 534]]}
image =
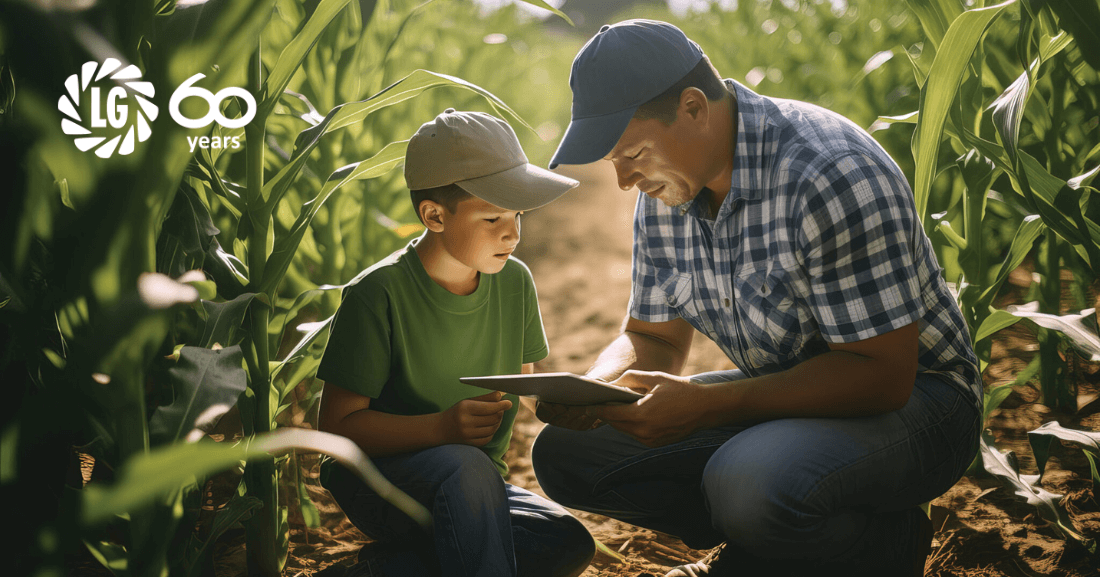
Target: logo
{"points": [[101, 127], [214, 114], [109, 129]]}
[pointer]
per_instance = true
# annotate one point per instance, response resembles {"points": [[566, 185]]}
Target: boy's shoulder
{"points": [[381, 277], [515, 270]]}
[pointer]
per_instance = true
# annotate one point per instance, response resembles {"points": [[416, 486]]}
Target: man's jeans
{"points": [[823, 489], [482, 525]]}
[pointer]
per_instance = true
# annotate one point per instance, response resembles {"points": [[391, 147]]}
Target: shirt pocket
{"points": [[679, 289], [765, 300]]}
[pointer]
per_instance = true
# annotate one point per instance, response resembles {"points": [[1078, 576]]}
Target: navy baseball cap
{"points": [[622, 67]]}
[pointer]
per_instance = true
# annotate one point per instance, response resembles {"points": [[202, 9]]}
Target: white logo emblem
{"points": [[87, 133], [214, 101]]}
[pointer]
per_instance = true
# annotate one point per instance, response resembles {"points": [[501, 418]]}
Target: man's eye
{"points": [[492, 219], [636, 155]]}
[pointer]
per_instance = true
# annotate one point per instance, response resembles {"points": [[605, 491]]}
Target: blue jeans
{"points": [[482, 526], [810, 489]]}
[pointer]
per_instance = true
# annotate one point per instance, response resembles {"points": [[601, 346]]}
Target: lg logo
{"points": [[105, 123], [90, 127]]}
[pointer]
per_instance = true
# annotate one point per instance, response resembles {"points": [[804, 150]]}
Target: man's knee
{"points": [[551, 454], [758, 502]]}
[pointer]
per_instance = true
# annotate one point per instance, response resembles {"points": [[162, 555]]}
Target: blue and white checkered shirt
{"points": [[817, 242]]}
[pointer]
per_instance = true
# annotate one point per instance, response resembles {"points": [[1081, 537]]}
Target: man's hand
{"points": [[668, 412], [567, 416], [474, 421]]}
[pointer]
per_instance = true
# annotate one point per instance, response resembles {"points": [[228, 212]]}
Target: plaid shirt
{"points": [[817, 242]]}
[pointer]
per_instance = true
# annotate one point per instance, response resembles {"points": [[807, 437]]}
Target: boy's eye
{"points": [[492, 219]]}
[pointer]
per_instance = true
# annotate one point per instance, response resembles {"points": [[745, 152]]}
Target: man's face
{"points": [[666, 162], [481, 235]]}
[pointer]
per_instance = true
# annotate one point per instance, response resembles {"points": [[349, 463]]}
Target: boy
{"points": [[453, 303]]}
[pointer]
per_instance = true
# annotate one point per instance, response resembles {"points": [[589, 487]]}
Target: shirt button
{"points": [[726, 301]]}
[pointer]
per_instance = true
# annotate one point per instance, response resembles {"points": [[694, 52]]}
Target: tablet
{"points": [[562, 388]]}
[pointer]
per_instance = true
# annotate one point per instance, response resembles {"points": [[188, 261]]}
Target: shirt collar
{"points": [[747, 179], [747, 176]]}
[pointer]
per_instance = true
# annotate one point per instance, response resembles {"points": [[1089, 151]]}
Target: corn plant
{"points": [[89, 331], [1007, 119]]}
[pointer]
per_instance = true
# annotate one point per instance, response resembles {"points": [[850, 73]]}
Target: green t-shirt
{"points": [[404, 341]]}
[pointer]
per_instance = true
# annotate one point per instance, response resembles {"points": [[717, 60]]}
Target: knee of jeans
{"points": [[468, 466], [549, 454], [756, 505]]}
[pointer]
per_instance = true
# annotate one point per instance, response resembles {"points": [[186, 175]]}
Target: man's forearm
{"points": [[634, 351], [382, 434], [833, 384]]}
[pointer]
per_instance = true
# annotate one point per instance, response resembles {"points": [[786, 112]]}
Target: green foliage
{"points": [[95, 341], [1007, 121]]}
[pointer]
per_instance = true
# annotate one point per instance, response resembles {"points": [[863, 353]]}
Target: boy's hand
{"points": [[474, 421], [567, 416]]}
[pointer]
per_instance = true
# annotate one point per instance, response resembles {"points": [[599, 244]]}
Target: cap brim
{"points": [[590, 139], [525, 187]]}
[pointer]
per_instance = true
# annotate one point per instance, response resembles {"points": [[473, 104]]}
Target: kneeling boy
{"points": [[453, 303]]}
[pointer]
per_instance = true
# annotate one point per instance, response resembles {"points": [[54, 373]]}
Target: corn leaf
{"points": [[935, 16], [1005, 467], [236, 510], [1021, 245], [542, 4], [1041, 438], [354, 112], [205, 384], [1079, 332], [291, 57], [938, 94], [995, 322], [148, 477], [284, 249], [1080, 18]]}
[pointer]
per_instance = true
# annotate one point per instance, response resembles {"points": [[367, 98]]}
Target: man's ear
{"points": [[694, 104], [431, 213]]}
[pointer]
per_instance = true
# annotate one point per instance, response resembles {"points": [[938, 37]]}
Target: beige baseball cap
{"points": [[481, 154]]}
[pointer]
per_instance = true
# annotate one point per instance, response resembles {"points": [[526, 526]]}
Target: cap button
{"points": [[604, 28], [449, 111]]}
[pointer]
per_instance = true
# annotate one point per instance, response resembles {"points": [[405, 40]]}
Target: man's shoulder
{"points": [[815, 137]]}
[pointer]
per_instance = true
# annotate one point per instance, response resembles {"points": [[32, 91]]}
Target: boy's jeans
{"points": [[809, 488], [483, 526]]}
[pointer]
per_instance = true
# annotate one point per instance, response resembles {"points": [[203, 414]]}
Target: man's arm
{"points": [[642, 346], [645, 346], [867, 377], [471, 421]]}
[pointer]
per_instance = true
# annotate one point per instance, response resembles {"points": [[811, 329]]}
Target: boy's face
{"points": [[481, 235]]}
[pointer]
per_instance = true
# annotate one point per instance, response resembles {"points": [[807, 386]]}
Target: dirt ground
{"points": [[579, 251]]}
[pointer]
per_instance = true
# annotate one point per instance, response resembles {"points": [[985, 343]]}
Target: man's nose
{"points": [[627, 176]]}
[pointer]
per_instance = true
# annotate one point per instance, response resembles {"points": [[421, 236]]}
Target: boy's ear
{"points": [[431, 213]]}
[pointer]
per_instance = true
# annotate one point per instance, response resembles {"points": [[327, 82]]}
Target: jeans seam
{"points": [[454, 536]]}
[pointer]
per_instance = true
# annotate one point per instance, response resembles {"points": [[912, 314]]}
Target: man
{"points": [[785, 234]]}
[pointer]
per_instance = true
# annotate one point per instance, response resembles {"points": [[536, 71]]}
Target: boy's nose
{"points": [[512, 231]]}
